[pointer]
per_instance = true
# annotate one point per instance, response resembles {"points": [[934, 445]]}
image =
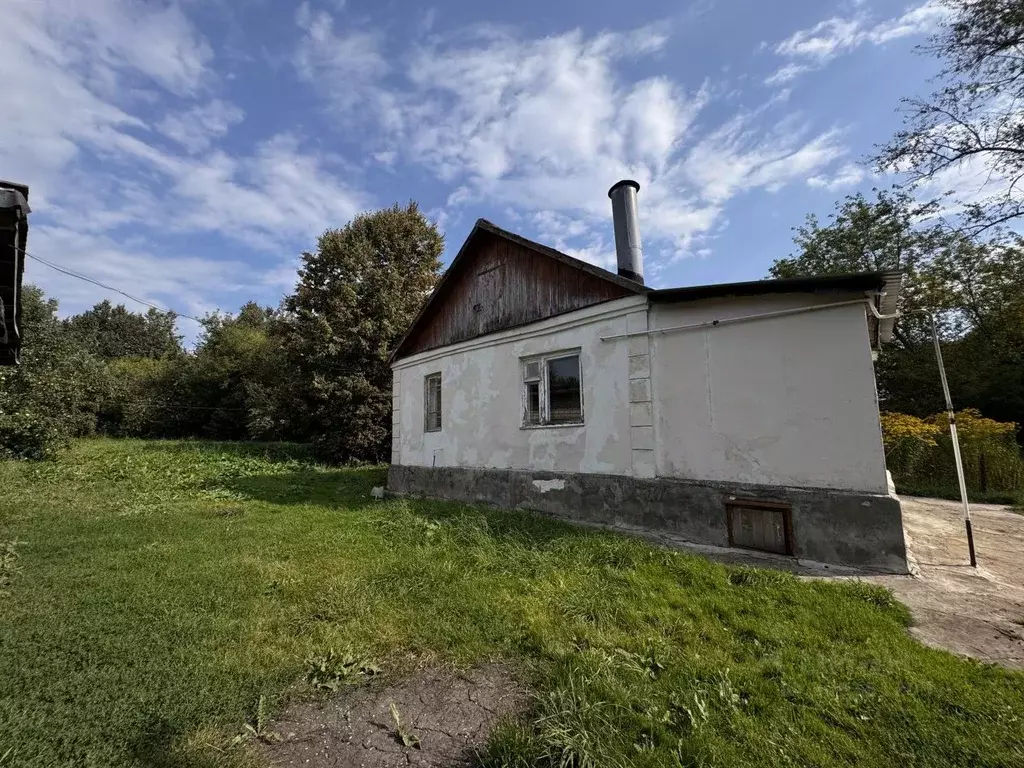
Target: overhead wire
{"points": [[72, 273]]}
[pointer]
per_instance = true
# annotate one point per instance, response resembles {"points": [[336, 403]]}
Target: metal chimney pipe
{"points": [[628, 250]]}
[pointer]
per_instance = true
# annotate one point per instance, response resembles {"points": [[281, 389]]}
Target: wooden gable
{"points": [[500, 280]]}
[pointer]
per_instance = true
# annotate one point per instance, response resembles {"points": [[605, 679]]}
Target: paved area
{"points": [[975, 612]]}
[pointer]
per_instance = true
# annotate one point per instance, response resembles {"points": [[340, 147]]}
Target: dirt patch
{"points": [[445, 718], [975, 612]]}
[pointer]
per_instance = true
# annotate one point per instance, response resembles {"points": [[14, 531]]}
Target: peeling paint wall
{"points": [[784, 401], [781, 401], [481, 399]]}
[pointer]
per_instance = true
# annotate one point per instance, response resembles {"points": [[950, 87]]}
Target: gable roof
{"points": [[483, 225], [484, 228], [886, 283]]}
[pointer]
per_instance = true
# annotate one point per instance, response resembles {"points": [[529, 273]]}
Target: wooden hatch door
{"points": [[762, 525]]}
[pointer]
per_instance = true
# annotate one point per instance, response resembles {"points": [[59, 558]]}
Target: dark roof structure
{"points": [[885, 284]]}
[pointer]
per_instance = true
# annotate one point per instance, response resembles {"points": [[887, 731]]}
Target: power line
{"points": [[80, 276]]}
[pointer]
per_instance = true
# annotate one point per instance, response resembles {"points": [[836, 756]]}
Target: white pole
{"points": [[956, 444]]}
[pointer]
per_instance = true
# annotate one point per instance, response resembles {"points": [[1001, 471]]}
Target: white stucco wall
{"points": [[788, 400], [481, 394], [781, 401]]}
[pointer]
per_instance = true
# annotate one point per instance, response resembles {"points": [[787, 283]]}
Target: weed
{"points": [[405, 736], [258, 728], [8, 564], [333, 671]]}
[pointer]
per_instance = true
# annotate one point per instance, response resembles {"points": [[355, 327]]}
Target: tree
{"points": [[113, 331], [249, 382], [976, 117], [973, 288], [53, 395], [889, 233], [356, 295]]}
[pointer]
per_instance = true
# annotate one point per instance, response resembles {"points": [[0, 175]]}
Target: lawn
{"points": [[151, 593]]}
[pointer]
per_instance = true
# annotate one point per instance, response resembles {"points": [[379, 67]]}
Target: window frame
{"points": [[544, 389], [427, 426]]}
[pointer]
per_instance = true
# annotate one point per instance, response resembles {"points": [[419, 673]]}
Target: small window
{"points": [[552, 390], [432, 403]]}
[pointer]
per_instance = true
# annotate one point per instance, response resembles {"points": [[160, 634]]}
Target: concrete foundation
{"points": [[858, 530]]}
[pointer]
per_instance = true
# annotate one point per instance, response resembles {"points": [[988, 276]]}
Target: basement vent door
{"points": [[764, 526]]}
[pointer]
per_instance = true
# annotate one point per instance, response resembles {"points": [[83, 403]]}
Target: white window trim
{"points": [[426, 402], [545, 402]]}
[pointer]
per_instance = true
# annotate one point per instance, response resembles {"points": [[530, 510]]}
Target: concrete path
{"points": [[974, 612]]}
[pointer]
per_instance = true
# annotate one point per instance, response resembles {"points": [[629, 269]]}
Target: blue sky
{"points": [[188, 152]]}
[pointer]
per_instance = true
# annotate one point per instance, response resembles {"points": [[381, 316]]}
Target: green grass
{"points": [[1014, 500], [156, 598]]}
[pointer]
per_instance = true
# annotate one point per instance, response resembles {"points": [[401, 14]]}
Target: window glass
{"points": [[533, 402], [432, 403], [564, 390]]}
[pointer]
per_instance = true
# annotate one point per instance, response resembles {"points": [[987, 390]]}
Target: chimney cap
{"points": [[634, 184]]}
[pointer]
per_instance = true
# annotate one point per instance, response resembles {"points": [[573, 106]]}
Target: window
{"points": [[552, 392], [432, 403]]}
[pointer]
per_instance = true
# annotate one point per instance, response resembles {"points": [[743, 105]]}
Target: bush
{"points": [[919, 453], [30, 435], [53, 395]]}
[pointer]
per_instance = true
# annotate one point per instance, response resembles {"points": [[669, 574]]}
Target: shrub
{"points": [[919, 453]]}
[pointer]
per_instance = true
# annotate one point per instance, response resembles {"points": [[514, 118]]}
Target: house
{"points": [[735, 415]]}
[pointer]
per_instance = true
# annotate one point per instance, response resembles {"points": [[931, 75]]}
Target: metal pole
{"points": [[956, 444]]}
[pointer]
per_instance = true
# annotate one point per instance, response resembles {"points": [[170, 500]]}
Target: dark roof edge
{"points": [[848, 283]]}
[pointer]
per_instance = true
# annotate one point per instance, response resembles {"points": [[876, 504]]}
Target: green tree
{"points": [[891, 232], [356, 296], [976, 116], [250, 384], [973, 288], [54, 394], [113, 331]]}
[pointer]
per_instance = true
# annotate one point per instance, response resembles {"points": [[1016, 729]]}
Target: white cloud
{"points": [[917, 21], [75, 82], [106, 37], [823, 41], [543, 126], [197, 128], [813, 48], [546, 125], [845, 176], [785, 73], [345, 64], [180, 281], [735, 158]]}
